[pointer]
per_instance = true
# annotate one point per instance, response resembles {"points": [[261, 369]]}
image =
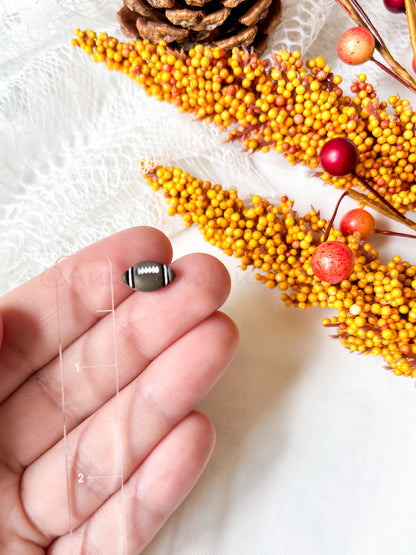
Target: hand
{"points": [[172, 346]]}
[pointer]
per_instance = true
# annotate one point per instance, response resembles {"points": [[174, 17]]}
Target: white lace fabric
{"points": [[71, 132]]}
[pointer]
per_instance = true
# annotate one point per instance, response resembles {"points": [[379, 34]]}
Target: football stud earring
{"points": [[148, 276]]}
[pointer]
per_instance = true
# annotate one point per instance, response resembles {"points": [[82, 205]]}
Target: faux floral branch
{"points": [[289, 106], [353, 142], [376, 302]]}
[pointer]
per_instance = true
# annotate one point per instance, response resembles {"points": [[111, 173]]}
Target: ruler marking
{"points": [[103, 476], [78, 367], [98, 366]]}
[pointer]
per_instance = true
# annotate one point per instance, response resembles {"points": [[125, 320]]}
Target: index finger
{"points": [[87, 284]]}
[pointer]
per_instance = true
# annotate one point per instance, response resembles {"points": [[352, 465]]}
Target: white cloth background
{"points": [[315, 447]]}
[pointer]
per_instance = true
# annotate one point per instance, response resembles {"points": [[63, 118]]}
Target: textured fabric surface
{"points": [[71, 132], [315, 446]]}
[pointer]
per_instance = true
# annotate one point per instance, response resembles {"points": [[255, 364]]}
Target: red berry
{"points": [[356, 46], [332, 261], [395, 6], [338, 156], [357, 221]]}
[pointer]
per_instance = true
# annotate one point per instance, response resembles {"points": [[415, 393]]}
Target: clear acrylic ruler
{"points": [[89, 378]]}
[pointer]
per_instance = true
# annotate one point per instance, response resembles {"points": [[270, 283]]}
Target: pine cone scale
{"points": [[184, 17], [255, 13], [161, 4], [213, 20], [157, 30], [181, 23], [232, 3], [274, 16], [243, 38]]}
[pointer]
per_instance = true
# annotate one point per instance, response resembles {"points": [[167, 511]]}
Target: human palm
{"points": [[172, 347]]}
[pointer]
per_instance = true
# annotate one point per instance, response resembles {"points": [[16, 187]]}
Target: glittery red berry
{"points": [[338, 156], [395, 6], [332, 261], [357, 221]]}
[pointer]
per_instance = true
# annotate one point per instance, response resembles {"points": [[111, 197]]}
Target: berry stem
{"points": [[367, 20], [331, 221], [382, 209], [395, 233], [410, 8], [380, 197], [392, 74]]}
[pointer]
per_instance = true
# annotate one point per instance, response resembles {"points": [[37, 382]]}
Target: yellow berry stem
{"points": [[286, 106], [376, 305]]}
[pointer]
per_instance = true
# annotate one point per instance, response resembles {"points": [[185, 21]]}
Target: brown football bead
{"points": [[148, 276]]}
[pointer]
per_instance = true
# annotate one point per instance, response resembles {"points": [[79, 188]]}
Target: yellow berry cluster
{"points": [[286, 106], [376, 304]]}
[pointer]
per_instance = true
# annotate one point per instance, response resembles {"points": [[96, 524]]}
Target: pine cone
{"points": [[182, 23]]}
